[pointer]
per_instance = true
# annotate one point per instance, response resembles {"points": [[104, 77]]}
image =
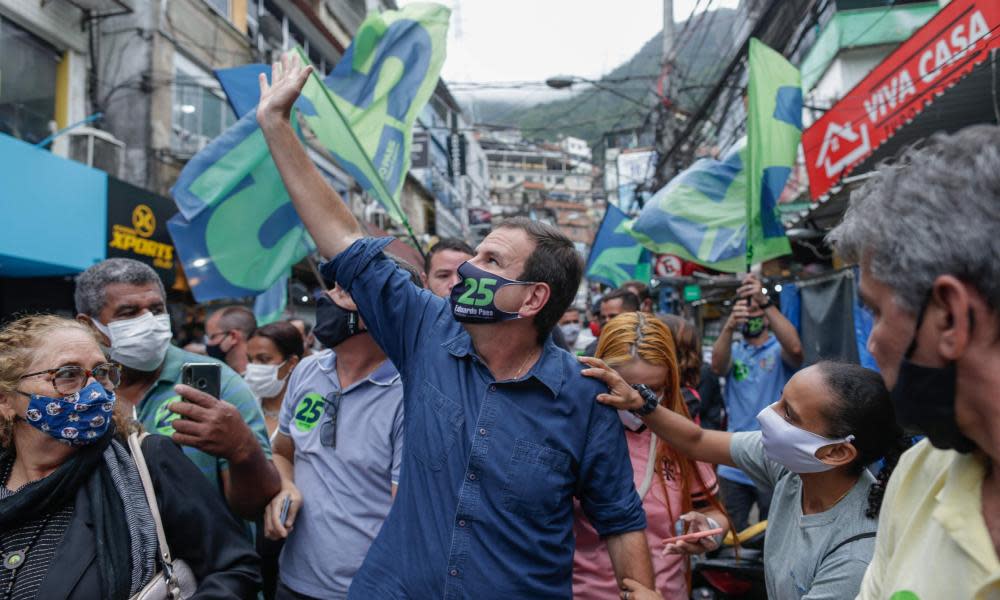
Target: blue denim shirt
{"points": [[490, 468]]}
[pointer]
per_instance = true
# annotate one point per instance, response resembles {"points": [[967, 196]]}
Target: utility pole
{"points": [[663, 108]]}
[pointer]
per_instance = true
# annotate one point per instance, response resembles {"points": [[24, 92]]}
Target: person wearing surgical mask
{"points": [[273, 351], [124, 303], [570, 325], [640, 348], [813, 450]]}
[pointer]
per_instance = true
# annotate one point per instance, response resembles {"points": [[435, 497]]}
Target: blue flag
{"points": [[270, 306], [615, 256], [237, 231]]}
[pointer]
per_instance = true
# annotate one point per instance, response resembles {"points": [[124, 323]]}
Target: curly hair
{"points": [[862, 408], [19, 340]]}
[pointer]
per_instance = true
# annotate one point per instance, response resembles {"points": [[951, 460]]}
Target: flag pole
{"points": [[381, 184]]}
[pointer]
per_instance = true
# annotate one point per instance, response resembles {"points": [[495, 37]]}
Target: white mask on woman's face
{"points": [[263, 380], [792, 447], [139, 343]]}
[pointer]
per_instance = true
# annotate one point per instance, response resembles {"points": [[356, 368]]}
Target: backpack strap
{"points": [[854, 538]]}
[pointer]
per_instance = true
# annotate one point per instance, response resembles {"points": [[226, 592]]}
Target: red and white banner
{"points": [[940, 53]]}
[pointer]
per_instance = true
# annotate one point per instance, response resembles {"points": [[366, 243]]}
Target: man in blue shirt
{"points": [[501, 429], [756, 369]]}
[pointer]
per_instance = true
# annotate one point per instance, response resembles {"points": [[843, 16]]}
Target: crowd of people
{"points": [[431, 436]]}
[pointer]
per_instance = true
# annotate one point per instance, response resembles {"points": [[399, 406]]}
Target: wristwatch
{"points": [[767, 304], [649, 398]]}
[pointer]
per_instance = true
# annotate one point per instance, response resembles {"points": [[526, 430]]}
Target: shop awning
{"points": [[937, 80]]}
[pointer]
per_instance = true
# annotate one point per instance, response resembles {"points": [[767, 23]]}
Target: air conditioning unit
{"points": [[96, 148]]}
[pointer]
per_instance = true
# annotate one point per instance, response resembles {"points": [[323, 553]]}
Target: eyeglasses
{"points": [[208, 337], [328, 431], [71, 378]]}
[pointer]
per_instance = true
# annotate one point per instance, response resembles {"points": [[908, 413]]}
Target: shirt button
{"points": [[482, 431], [493, 388], [454, 572], [472, 476], [461, 522]]}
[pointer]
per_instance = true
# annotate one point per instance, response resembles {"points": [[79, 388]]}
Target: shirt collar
{"points": [[548, 369], [172, 363], [385, 374], [959, 508]]}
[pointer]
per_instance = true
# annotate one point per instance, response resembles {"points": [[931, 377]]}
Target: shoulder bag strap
{"points": [[860, 536], [135, 444]]}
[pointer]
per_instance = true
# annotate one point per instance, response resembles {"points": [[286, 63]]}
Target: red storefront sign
{"points": [[940, 53]]}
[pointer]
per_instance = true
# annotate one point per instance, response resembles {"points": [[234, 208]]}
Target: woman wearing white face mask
{"points": [[272, 353], [815, 443]]}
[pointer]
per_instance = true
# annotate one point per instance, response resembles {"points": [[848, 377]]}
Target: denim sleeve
{"points": [[395, 310], [607, 490], [236, 392]]}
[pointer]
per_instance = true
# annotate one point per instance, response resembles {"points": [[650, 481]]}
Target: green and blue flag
{"points": [[237, 231], [704, 213], [615, 256]]}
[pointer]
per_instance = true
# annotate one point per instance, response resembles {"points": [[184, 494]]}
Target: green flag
{"points": [[364, 111], [774, 129]]}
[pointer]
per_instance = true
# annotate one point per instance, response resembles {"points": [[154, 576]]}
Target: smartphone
{"points": [[285, 505], [690, 537], [204, 377]]}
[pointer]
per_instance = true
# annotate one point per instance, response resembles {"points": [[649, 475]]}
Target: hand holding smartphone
{"points": [[691, 537]]}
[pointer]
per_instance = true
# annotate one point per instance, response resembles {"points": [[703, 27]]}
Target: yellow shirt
{"points": [[932, 539]]}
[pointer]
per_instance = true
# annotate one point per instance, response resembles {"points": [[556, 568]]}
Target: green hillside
{"points": [[591, 112]]}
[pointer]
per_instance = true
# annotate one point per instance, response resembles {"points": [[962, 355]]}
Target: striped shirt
{"points": [[28, 577]]}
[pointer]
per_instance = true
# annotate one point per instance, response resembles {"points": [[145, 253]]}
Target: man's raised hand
{"points": [[287, 79]]}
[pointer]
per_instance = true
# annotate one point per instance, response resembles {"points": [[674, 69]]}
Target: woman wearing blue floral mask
{"points": [[74, 520], [813, 450]]}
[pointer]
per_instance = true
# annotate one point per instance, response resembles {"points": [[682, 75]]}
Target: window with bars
{"points": [[27, 83], [200, 111]]}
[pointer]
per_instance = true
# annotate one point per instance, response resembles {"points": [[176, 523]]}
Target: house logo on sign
{"points": [[842, 147]]}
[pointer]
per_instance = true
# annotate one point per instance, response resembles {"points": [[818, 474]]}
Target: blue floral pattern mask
{"points": [[79, 419]]}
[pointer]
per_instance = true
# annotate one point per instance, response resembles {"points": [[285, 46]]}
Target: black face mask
{"points": [[924, 399], [753, 328], [215, 351], [335, 324]]}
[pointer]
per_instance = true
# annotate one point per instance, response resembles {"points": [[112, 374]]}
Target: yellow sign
{"points": [[133, 239], [143, 220]]}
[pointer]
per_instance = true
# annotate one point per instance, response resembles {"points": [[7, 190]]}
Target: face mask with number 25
{"points": [[474, 299]]}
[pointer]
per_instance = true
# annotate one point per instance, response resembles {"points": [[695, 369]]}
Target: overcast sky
{"points": [[531, 40]]}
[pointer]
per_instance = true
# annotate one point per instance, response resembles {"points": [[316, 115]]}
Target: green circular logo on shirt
{"points": [[904, 595], [163, 418], [308, 411]]}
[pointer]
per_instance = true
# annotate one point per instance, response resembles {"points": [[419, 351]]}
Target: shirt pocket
{"points": [[434, 423], [537, 479]]}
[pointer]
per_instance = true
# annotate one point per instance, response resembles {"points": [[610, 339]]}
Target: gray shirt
{"points": [[347, 489], [798, 562]]}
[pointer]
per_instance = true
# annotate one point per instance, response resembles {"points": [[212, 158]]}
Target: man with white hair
{"points": [[124, 302], [925, 232]]}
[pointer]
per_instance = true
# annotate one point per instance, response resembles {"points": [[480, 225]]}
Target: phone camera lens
{"points": [[202, 383]]}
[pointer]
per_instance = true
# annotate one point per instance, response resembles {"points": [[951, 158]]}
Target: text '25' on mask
{"points": [[474, 299]]}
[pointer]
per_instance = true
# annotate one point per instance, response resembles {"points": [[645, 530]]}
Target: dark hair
{"points": [[863, 409], [630, 302], [447, 244], [554, 261], [643, 289], [285, 336], [239, 318], [687, 344]]}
